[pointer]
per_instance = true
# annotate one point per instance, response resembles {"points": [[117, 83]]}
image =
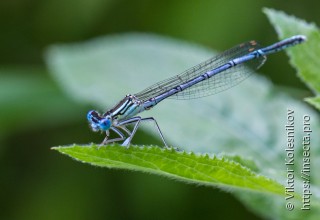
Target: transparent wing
{"points": [[220, 82]]}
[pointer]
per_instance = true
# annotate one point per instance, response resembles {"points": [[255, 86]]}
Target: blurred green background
{"points": [[37, 183]]}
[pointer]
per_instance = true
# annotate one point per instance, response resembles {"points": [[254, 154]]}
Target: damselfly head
{"points": [[98, 123]]}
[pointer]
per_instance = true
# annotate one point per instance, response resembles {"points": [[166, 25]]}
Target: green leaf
{"points": [[314, 101], [189, 167], [246, 122], [305, 58]]}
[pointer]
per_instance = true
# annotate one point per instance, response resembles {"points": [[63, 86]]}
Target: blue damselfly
{"points": [[210, 77]]}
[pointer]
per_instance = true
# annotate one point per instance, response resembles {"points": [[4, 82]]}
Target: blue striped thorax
{"points": [[126, 108]]}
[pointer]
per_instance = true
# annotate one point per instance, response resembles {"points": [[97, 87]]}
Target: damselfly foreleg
{"points": [[136, 121]]}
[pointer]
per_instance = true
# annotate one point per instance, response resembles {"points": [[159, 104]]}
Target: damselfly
{"points": [[210, 77]]}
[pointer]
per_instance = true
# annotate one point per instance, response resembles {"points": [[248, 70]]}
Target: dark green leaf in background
{"points": [[24, 100], [307, 59]]}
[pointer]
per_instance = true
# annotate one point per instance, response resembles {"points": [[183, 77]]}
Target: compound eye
{"points": [[105, 124], [93, 116], [94, 119], [89, 115]]}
